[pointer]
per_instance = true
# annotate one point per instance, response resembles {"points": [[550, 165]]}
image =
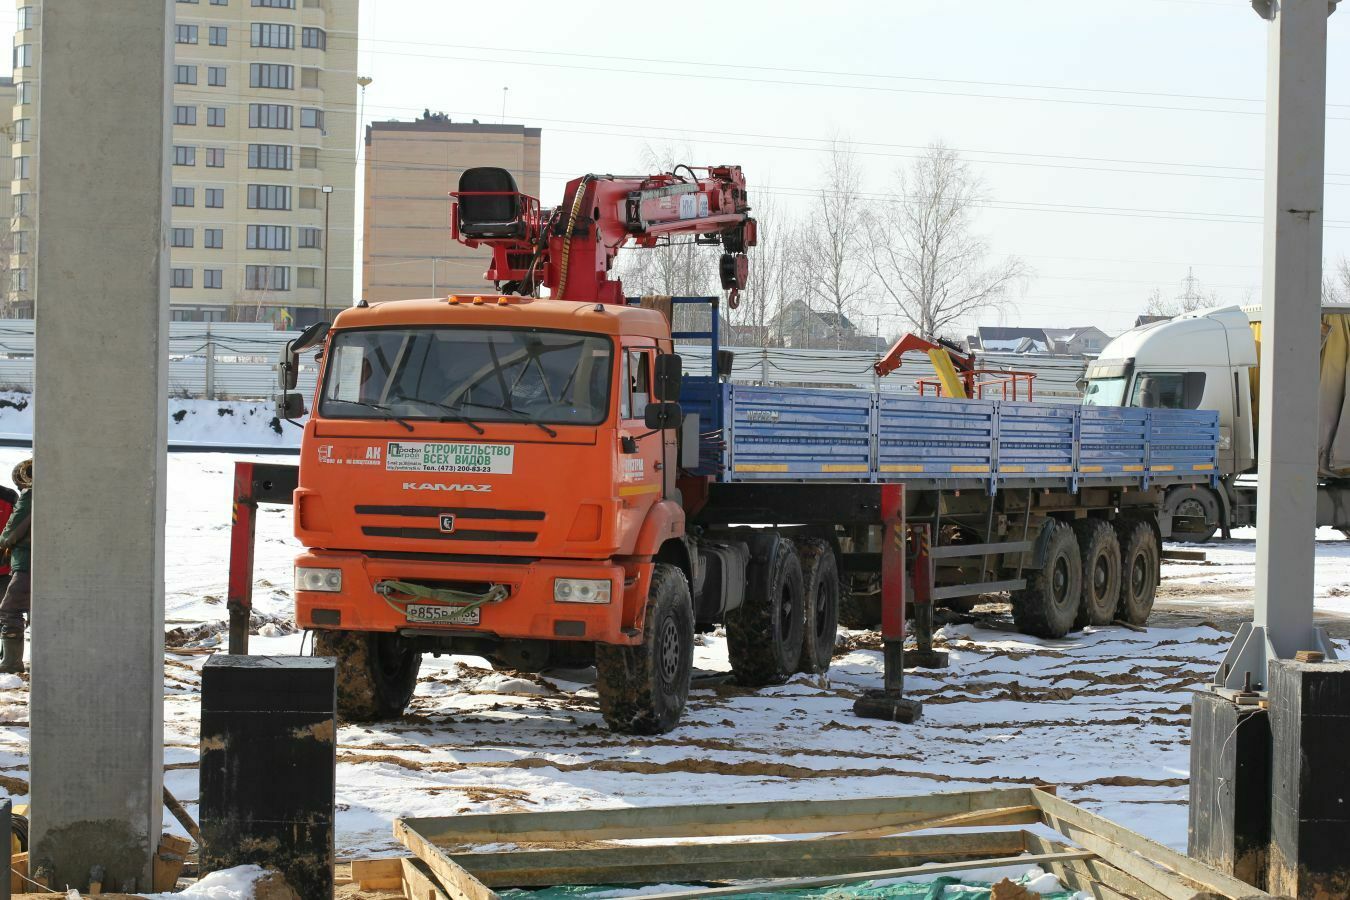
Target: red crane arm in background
{"points": [[570, 249], [964, 362]]}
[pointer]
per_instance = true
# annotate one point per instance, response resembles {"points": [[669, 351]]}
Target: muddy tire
{"points": [[1139, 559], [376, 673], [764, 634], [1099, 550], [643, 688], [820, 596], [1048, 606]]}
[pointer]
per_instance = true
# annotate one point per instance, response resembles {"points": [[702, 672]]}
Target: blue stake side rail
{"points": [[811, 434]]}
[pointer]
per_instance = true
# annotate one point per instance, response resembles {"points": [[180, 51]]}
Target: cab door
{"points": [[640, 458]]}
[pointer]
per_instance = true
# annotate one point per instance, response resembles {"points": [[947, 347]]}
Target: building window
{"points": [[21, 167], [25, 18], [309, 77], [187, 1], [215, 157], [271, 75], [269, 156], [309, 157], [215, 116], [269, 115], [267, 278], [270, 34], [182, 237], [20, 280], [307, 277], [23, 55], [268, 237], [185, 115], [311, 118], [309, 198], [215, 76], [184, 74], [220, 2], [269, 196], [213, 238], [313, 4], [182, 278], [314, 38], [215, 198], [213, 278], [20, 242], [23, 130], [184, 196], [20, 204], [184, 156], [24, 89], [220, 36], [275, 4], [310, 239], [185, 34]]}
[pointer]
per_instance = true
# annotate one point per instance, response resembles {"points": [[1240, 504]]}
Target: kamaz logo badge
{"points": [[448, 523], [433, 486]]}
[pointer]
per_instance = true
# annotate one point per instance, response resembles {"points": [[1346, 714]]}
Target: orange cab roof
{"points": [[565, 315]]}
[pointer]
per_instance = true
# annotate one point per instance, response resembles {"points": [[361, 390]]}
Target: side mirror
{"points": [[660, 416], [669, 374], [290, 406], [288, 366]]}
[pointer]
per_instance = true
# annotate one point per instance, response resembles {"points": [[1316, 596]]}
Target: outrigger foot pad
{"points": [[926, 659], [888, 706]]}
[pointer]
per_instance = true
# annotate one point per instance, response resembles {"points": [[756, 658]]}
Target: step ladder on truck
{"points": [[537, 480]]}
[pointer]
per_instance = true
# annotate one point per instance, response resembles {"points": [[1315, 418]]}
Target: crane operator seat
{"points": [[490, 204]]}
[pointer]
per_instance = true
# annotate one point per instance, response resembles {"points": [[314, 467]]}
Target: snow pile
{"points": [[238, 883], [10, 682]]}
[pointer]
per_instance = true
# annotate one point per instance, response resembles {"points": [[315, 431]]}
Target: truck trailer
{"points": [[537, 480]]}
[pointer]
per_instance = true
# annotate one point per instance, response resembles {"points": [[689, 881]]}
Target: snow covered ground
{"points": [[1104, 713]]}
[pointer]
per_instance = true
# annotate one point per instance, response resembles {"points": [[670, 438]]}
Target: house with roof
{"points": [[800, 325], [1084, 341]]}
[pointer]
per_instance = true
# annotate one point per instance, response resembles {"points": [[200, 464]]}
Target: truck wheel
{"points": [[1048, 606], [1139, 571], [764, 634], [1100, 552], [1194, 513], [820, 580], [376, 673], [643, 688], [860, 609]]}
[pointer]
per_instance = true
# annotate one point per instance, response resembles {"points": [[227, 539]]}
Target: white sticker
{"points": [[703, 206], [688, 206], [480, 459]]}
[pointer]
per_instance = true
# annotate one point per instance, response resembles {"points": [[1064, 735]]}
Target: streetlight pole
{"points": [[327, 238]]}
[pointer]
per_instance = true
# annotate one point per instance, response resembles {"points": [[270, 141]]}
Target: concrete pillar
{"points": [[99, 441]]}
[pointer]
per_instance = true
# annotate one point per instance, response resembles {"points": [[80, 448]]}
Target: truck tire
{"points": [[1100, 552], [1048, 606], [1184, 506], [376, 673], [643, 688], [764, 634], [860, 602], [1139, 558], [820, 593]]}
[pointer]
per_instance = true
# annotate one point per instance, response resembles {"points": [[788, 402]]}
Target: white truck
{"points": [[1210, 359]]}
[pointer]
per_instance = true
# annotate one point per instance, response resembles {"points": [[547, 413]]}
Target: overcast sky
{"points": [[1120, 140]]}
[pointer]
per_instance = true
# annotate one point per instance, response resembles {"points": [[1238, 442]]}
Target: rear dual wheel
{"points": [[1139, 559], [764, 634], [820, 595], [376, 673]]}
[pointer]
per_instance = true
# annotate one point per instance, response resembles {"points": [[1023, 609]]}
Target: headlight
{"points": [[580, 590], [329, 580]]}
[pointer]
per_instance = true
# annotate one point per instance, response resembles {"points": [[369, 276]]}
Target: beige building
{"points": [[411, 167], [263, 159]]}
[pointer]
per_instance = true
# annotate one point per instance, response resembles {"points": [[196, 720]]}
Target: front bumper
{"points": [[529, 610]]}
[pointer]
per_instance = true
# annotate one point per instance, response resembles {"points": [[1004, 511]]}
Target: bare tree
{"points": [[775, 276], [1192, 297], [923, 252], [834, 276], [1336, 282]]}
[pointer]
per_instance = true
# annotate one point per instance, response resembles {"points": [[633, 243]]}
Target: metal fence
{"points": [[228, 360]]}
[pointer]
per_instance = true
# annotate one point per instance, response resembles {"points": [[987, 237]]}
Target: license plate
{"points": [[436, 614]]}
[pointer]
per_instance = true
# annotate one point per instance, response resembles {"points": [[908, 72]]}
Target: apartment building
{"points": [[262, 164], [410, 170]]}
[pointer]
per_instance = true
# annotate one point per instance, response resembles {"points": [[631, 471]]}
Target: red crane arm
{"points": [[964, 362], [570, 249]]}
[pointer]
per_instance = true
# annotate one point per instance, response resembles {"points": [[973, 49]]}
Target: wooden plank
{"points": [[378, 874], [454, 880], [650, 864], [1118, 845], [847, 878], [705, 820], [1017, 815], [1095, 876], [418, 882], [18, 866]]}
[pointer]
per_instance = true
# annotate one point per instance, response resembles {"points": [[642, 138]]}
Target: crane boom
{"points": [[570, 249]]}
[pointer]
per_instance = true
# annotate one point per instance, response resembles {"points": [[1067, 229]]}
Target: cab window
{"points": [[635, 389], [1168, 390]]}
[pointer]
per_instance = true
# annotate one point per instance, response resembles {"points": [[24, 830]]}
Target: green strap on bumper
{"points": [[447, 596]]}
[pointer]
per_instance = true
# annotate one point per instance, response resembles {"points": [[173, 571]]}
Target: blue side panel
{"points": [[934, 437], [1036, 439], [1182, 441], [702, 395], [779, 434], [1114, 441]]}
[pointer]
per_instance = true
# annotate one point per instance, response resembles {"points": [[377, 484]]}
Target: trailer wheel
{"points": [[376, 673], [820, 580], [764, 634], [1100, 551], [643, 688], [1048, 606], [1194, 513], [1139, 571]]}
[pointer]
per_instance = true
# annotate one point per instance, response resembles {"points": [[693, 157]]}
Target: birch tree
{"points": [[834, 275]]}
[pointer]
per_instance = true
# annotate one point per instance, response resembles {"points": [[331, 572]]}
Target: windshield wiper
{"points": [[455, 415], [515, 412], [388, 413]]}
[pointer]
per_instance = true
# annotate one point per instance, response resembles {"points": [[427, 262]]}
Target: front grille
{"points": [[435, 534], [462, 512]]}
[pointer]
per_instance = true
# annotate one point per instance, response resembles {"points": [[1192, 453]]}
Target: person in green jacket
{"points": [[15, 540]]}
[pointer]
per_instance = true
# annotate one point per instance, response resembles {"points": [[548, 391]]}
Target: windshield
{"points": [[1105, 392], [478, 374]]}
